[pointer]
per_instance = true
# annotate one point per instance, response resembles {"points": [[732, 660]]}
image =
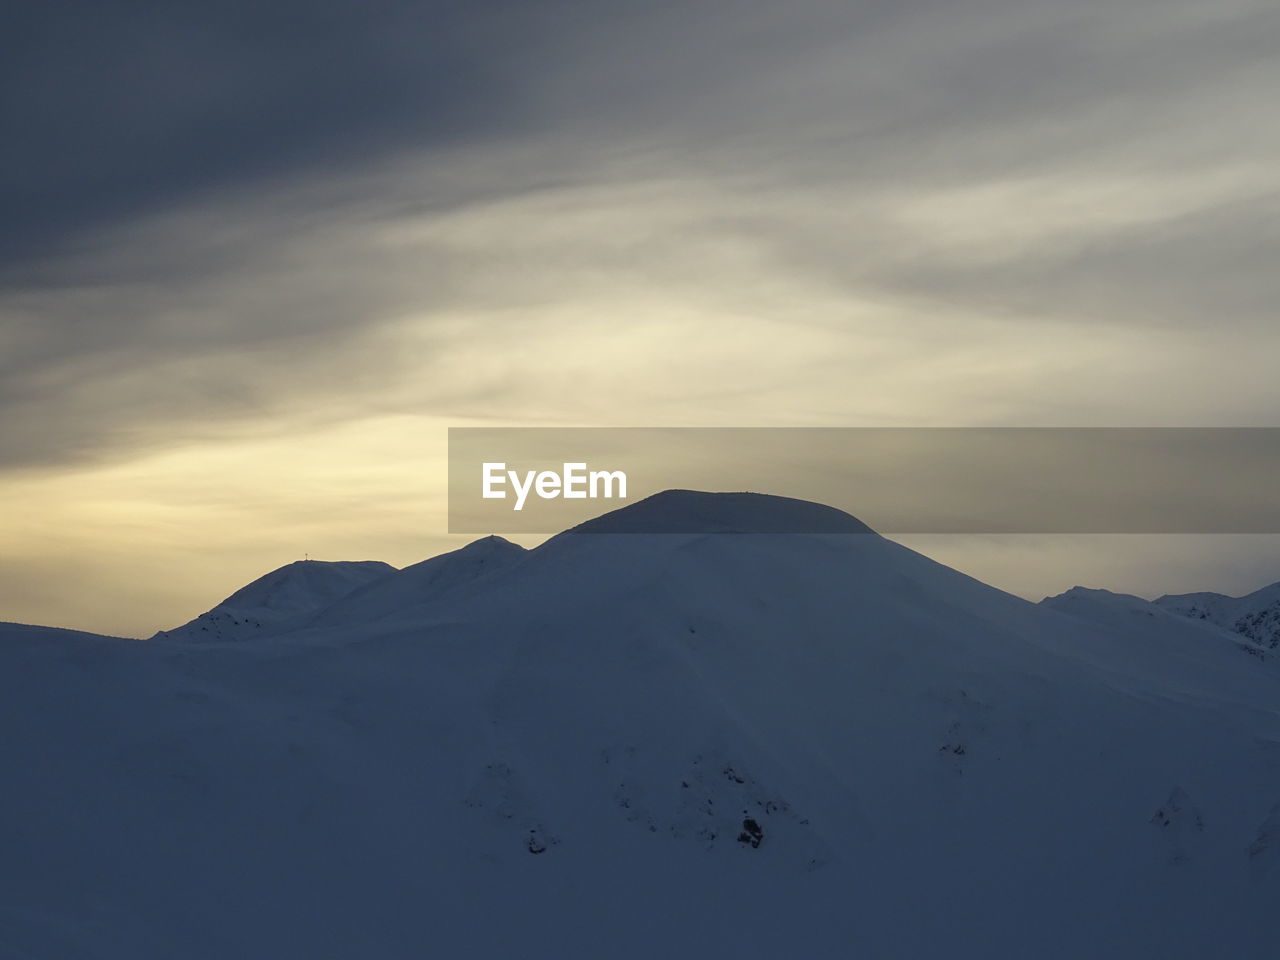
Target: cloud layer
{"points": [[228, 227]]}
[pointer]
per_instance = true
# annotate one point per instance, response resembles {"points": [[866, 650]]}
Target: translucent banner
{"points": [[895, 480]]}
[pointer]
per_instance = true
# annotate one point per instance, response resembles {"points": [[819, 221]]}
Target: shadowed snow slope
{"points": [[1150, 628], [627, 745], [280, 600], [1256, 615]]}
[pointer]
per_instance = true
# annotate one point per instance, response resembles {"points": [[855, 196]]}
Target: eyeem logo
{"points": [[574, 482]]}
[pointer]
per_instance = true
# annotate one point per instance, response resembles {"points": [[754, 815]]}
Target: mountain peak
{"points": [[698, 511], [421, 583], [490, 544], [280, 597]]}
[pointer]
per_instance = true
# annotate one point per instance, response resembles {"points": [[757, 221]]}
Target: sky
{"points": [[255, 259]]}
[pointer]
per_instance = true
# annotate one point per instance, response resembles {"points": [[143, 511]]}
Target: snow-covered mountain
{"points": [[1255, 615], [1164, 634], [409, 593], [280, 600], [631, 745]]}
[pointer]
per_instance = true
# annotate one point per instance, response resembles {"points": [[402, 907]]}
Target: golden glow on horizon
{"points": [[169, 533], [663, 304]]}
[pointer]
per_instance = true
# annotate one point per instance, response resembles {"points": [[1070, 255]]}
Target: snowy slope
{"points": [[1256, 615], [30, 633], [1152, 628], [628, 746], [280, 600], [404, 593]]}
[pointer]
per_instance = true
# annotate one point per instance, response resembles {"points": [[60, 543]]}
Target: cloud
{"points": [[228, 225], [632, 301], [137, 107], [132, 107]]}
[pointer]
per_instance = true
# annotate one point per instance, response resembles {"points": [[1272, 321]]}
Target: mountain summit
{"points": [[695, 511], [283, 598]]}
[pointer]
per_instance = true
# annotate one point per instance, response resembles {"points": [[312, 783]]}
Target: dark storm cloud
{"points": [[115, 108], [112, 110]]}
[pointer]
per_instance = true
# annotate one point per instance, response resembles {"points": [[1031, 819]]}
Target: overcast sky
{"points": [[255, 258]]}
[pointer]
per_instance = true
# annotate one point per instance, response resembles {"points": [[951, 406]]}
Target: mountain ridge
{"points": [[1254, 615], [279, 599], [634, 745]]}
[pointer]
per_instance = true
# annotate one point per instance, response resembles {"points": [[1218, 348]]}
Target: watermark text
{"points": [[574, 482]]}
